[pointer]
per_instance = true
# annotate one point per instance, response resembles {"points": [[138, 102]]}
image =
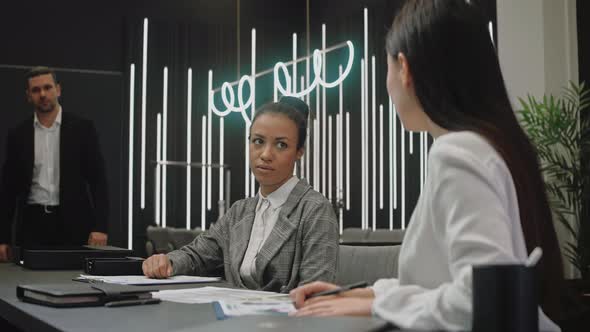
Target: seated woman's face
{"points": [[273, 150]]}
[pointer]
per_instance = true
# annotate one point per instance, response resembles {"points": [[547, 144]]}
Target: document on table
{"points": [[224, 309], [210, 294], [143, 280]]}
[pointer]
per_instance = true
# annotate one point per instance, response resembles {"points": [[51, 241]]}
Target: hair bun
{"points": [[296, 103]]}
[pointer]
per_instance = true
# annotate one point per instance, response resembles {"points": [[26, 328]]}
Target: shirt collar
{"points": [[57, 120], [278, 197]]}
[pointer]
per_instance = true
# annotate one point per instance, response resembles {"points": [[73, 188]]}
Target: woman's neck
{"points": [[435, 130]]}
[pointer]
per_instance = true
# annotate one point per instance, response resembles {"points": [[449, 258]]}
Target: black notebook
{"points": [[79, 294]]}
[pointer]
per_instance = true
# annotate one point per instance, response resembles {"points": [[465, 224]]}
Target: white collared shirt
{"points": [[45, 181], [267, 214]]}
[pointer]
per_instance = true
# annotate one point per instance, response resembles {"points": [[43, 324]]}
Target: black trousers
{"points": [[42, 226]]}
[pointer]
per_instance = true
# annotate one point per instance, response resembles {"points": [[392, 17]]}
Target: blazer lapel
{"points": [[65, 140], [29, 148], [240, 232], [285, 226]]}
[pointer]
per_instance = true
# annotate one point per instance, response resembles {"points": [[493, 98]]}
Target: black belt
{"points": [[47, 209]]}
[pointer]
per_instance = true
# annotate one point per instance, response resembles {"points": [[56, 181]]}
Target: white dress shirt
{"points": [[267, 214], [45, 181], [467, 214]]}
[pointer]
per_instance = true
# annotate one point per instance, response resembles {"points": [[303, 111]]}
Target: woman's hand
{"points": [[157, 266], [339, 306], [301, 294]]}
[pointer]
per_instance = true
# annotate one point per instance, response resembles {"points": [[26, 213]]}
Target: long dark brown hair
{"points": [[458, 81]]}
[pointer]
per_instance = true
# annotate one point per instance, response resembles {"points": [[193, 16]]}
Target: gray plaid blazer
{"points": [[302, 247]]}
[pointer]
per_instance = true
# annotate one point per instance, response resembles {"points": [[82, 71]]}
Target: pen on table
{"points": [[339, 290], [123, 303], [89, 281], [267, 297]]}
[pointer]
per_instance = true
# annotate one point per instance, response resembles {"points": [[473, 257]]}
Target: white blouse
{"points": [[467, 214]]}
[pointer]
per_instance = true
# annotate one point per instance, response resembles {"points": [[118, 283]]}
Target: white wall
{"points": [[538, 51], [537, 46]]}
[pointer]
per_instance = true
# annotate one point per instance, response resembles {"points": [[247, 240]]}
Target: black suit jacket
{"points": [[83, 198]]}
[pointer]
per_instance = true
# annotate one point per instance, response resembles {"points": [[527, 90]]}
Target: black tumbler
{"points": [[504, 299]]}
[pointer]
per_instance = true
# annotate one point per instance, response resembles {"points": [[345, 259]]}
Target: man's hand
{"points": [[97, 239], [5, 254], [157, 266]]}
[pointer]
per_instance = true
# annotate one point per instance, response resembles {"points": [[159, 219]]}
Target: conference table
{"points": [[165, 316]]}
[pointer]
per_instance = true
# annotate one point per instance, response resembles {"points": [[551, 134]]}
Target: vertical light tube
{"points": [[210, 101], [165, 147], [221, 160], [403, 159], [366, 40], [363, 146], [308, 148], [203, 173], [426, 156], [340, 145], [425, 153], [324, 110], [366, 158], [365, 86], [252, 110], [394, 116], [329, 189], [339, 166], [246, 161], [294, 63], [381, 157], [340, 180], [143, 108], [312, 148], [374, 144], [209, 154], [341, 219], [189, 101], [391, 147], [316, 155], [303, 160], [158, 169], [307, 75], [130, 179], [421, 160], [491, 29], [347, 161], [411, 141], [316, 138]]}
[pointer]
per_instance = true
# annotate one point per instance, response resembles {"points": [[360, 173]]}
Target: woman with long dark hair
{"points": [[484, 200]]}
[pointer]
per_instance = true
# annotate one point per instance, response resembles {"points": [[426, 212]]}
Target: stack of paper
{"points": [[143, 280], [217, 294]]}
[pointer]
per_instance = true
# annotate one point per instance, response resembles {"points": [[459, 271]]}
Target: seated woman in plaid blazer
{"points": [[285, 236]]}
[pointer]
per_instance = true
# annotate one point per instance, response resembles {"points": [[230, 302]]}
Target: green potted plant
{"points": [[559, 127]]}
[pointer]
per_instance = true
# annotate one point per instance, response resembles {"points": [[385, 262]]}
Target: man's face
{"points": [[43, 93]]}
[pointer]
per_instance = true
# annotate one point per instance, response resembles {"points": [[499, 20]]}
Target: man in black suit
{"points": [[53, 177]]}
